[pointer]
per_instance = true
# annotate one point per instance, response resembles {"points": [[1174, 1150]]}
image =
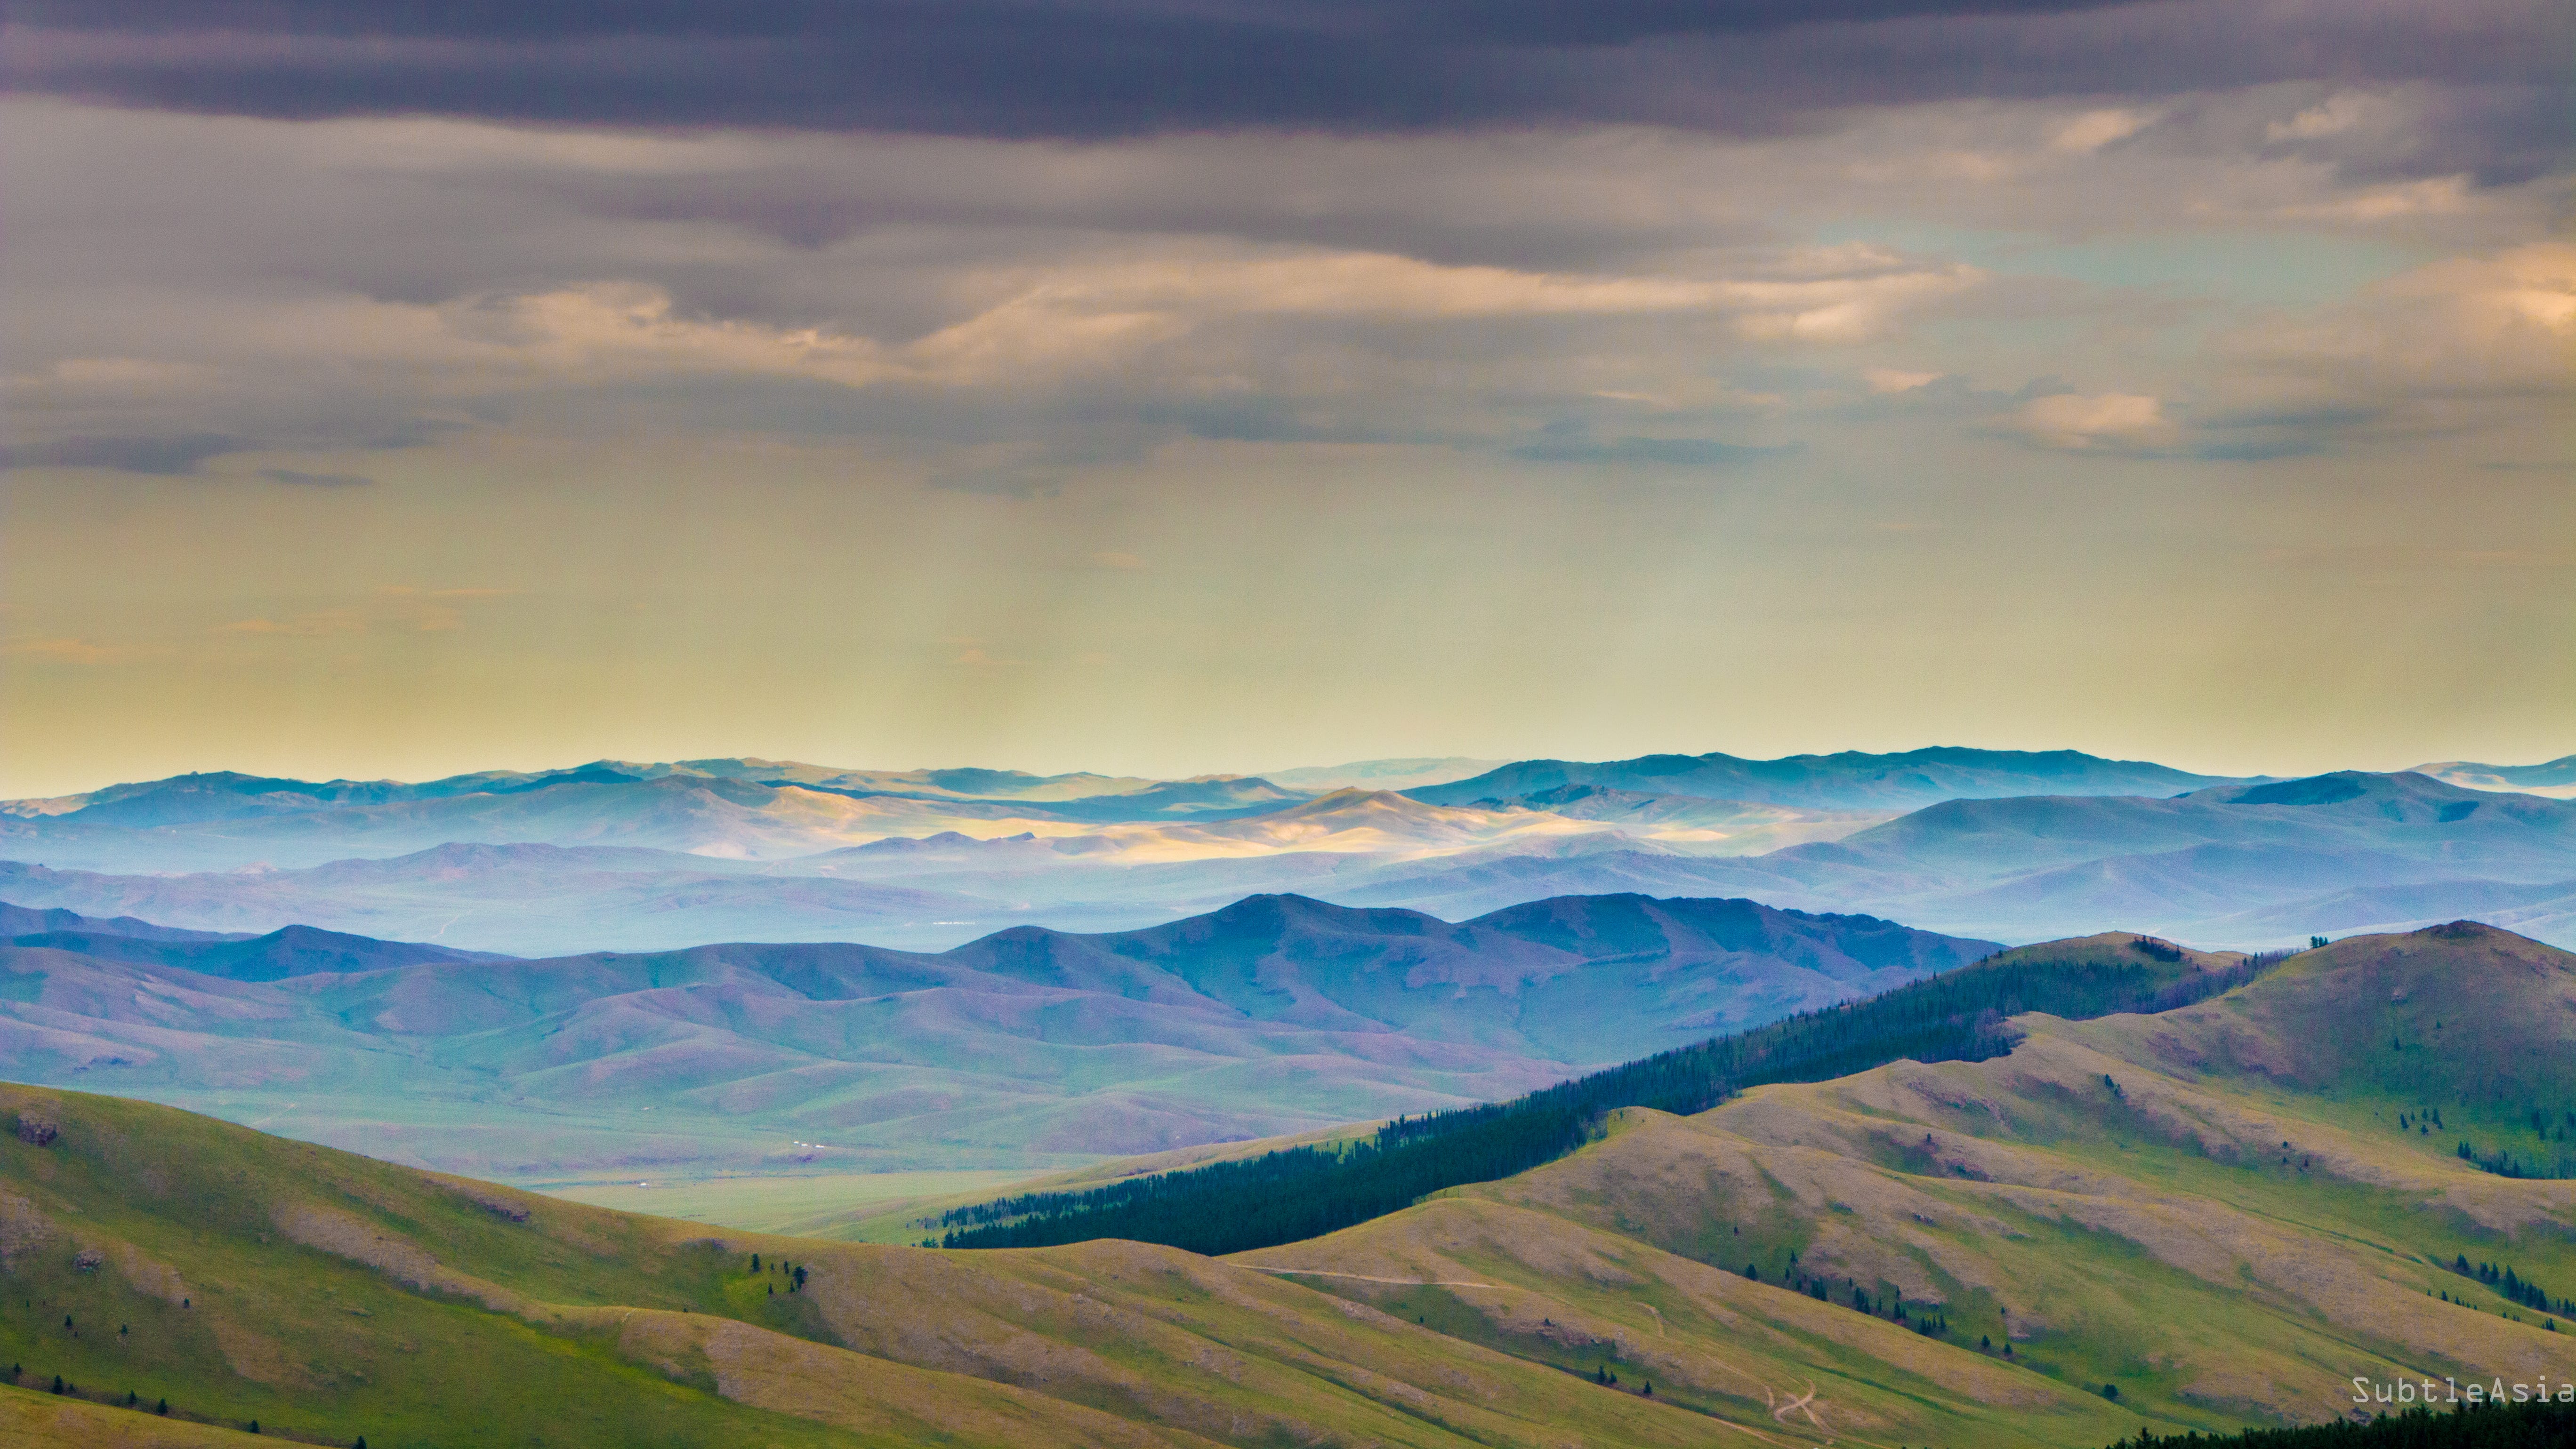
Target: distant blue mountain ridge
{"points": [[1845, 781], [2017, 846]]}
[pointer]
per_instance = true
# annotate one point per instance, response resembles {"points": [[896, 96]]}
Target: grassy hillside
{"points": [[325, 1296], [1253, 1201], [2209, 1209], [2444, 1033]]}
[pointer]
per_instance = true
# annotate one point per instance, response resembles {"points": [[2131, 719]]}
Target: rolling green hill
{"points": [[324, 1296], [2210, 1209]]}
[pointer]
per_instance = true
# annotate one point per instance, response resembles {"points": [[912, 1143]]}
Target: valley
{"points": [[1024, 1050], [2212, 1210]]}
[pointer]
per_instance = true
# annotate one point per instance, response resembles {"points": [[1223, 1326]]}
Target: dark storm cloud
{"points": [[979, 67]]}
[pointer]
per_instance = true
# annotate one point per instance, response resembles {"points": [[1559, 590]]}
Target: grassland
{"points": [[804, 1205], [2112, 1202], [325, 1296], [2211, 1210]]}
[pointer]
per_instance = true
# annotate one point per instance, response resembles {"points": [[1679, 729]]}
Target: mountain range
{"points": [[553, 865], [1020, 1049], [2263, 1208], [1845, 781]]}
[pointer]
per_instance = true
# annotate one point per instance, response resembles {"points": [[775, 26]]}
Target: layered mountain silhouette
{"points": [[728, 808], [2012, 846], [1846, 781], [2253, 864], [288, 951], [1276, 1013]]}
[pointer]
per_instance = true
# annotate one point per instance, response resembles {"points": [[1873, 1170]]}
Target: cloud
{"points": [[2432, 196], [1004, 316], [2462, 346], [294, 479], [2337, 114], [2094, 130], [2495, 326], [166, 456], [989, 67], [2108, 421]]}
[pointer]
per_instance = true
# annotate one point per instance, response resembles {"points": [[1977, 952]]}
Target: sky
{"points": [[1175, 386]]}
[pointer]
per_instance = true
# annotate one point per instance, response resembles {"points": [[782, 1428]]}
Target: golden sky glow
{"points": [[404, 447]]}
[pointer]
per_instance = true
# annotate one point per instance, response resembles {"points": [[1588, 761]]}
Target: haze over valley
{"points": [[749, 966], [2001, 845]]}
